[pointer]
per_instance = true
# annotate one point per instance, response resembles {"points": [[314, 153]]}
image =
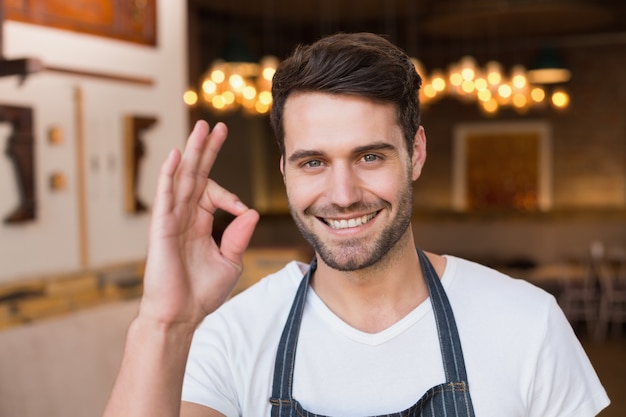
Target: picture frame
{"points": [[501, 166]]}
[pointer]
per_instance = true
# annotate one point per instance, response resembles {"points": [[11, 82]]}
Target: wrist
{"points": [[147, 324], [165, 319]]}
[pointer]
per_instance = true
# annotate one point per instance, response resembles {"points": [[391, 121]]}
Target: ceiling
{"points": [[450, 19], [436, 31]]}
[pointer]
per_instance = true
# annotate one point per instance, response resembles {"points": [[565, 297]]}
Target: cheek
{"points": [[385, 184], [301, 192]]}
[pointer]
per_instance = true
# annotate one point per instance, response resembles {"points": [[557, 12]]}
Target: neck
{"points": [[374, 298]]}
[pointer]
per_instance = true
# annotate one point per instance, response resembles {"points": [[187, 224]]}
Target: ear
{"points": [[282, 166], [419, 152]]}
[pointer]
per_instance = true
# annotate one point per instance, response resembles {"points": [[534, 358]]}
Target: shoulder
{"points": [[514, 334], [486, 283], [492, 304]]}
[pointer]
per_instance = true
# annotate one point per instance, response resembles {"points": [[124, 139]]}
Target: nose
{"points": [[344, 187]]}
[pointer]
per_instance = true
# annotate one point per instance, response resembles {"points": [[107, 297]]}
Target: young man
{"points": [[373, 326]]}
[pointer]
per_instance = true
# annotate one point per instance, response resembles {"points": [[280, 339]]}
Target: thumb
{"points": [[237, 236]]}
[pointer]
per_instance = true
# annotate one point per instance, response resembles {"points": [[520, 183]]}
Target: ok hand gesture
{"points": [[187, 274]]}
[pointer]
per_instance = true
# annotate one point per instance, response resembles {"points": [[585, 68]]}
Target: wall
{"points": [[588, 138], [588, 172], [64, 366], [52, 243]]}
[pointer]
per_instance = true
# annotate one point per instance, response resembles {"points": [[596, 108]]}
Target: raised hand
{"points": [[187, 274]]}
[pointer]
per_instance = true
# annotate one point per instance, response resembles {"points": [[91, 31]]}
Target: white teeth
{"points": [[345, 224]]}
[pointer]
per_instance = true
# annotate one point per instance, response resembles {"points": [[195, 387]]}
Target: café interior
{"points": [[524, 108]]}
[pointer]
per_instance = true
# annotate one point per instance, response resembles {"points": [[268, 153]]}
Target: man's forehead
{"points": [[320, 125]]}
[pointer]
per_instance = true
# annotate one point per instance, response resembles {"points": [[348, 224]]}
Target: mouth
{"points": [[349, 223]]}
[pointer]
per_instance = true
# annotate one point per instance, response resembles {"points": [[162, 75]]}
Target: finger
{"points": [[211, 146], [215, 141], [237, 236], [164, 200], [187, 174], [216, 197]]}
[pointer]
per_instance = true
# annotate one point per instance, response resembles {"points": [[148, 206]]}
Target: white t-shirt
{"points": [[521, 355]]}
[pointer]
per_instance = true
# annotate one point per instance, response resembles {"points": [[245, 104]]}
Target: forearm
{"points": [[151, 375]]}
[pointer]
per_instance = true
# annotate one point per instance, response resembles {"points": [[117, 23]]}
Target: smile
{"points": [[348, 223]]}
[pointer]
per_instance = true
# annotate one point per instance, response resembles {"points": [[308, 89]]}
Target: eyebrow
{"points": [[312, 153], [303, 154]]}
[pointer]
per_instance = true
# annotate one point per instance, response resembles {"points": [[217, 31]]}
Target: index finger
{"points": [[215, 141], [197, 160]]}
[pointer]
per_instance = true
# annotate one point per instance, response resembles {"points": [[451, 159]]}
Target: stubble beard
{"points": [[356, 254]]}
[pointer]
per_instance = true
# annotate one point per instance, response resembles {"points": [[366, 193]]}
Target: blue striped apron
{"points": [[450, 399]]}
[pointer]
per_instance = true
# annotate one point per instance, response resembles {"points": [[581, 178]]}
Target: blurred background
{"points": [[523, 103], [579, 170]]}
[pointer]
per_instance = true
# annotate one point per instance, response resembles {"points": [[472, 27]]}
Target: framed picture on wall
{"points": [[132, 21], [502, 166]]}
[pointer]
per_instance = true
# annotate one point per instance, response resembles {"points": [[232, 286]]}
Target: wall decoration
{"points": [[81, 186], [21, 151], [55, 135], [134, 150], [30, 12], [133, 21], [502, 166], [57, 181]]}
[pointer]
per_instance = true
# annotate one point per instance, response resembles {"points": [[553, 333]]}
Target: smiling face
{"points": [[349, 177]]}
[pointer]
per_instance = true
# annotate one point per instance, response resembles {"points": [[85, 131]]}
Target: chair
{"points": [[612, 313], [579, 297]]}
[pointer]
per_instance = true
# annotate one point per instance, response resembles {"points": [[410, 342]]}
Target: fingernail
{"points": [[240, 206]]}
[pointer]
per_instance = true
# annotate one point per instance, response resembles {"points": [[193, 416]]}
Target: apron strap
{"points": [[284, 364], [449, 340]]}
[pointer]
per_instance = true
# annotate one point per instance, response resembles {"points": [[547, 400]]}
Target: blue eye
{"points": [[313, 164], [370, 157]]}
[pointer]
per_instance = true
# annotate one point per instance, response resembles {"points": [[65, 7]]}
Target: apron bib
{"points": [[450, 399]]}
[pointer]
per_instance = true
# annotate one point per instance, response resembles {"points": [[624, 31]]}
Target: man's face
{"points": [[348, 176]]}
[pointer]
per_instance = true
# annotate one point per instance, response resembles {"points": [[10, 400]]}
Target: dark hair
{"points": [[359, 64]]}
